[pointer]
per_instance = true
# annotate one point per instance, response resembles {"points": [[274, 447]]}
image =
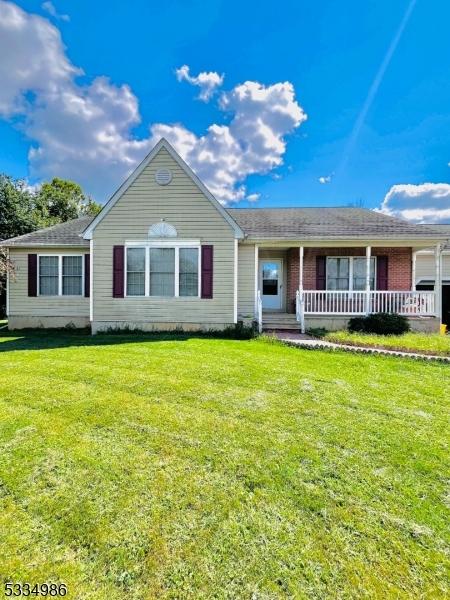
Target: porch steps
{"points": [[284, 321]]}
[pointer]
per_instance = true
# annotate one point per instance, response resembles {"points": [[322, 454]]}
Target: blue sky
{"points": [[314, 59]]}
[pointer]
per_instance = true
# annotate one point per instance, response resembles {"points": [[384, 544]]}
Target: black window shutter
{"points": [[321, 272], [87, 275], [207, 271], [32, 274], [382, 273], [118, 271]]}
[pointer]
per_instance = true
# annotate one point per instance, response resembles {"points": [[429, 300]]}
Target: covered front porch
{"points": [[301, 286]]}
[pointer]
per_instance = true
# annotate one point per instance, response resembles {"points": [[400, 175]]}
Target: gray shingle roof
{"points": [[445, 230], [63, 234], [325, 223], [271, 223]]}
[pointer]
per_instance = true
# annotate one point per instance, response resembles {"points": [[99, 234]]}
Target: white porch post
{"points": [[301, 252], [368, 255], [256, 279], [413, 270], [438, 282]]}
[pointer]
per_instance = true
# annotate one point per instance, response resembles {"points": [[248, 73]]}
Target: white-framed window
{"points": [[163, 270], [60, 274], [349, 273], [136, 272]]}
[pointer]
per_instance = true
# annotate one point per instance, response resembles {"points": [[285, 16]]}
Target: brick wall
{"points": [[399, 267]]}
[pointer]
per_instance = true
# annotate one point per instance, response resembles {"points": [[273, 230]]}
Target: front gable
{"points": [[163, 189]]}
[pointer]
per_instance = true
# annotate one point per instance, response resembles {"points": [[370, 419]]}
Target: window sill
{"points": [[165, 298]]}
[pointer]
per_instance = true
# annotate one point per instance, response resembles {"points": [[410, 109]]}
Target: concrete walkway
{"points": [[292, 338]]}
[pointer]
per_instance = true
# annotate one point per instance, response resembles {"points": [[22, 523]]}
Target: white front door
{"points": [[271, 282]]}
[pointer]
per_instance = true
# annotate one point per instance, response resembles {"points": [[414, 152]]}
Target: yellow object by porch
{"points": [[443, 329]]}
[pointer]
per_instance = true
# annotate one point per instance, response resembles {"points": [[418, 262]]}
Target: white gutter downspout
{"points": [[235, 300], [256, 278], [7, 282], [438, 282], [91, 281]]}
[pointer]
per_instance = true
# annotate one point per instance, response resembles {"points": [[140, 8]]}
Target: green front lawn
{"points": [[428, 343], [161, 467]]}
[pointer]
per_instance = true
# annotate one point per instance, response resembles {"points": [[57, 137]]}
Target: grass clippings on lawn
{"points": [[178, 467], [422, 343]]}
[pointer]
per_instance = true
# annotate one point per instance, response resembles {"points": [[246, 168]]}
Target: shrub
{"points": [[239, 331], [318, 332], [380, 323]]}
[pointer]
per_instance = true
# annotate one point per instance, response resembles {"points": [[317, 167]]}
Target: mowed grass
{"points": [[163, 467], [428, 343]]}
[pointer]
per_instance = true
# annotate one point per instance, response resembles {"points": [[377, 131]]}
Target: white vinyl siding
{"points": [[426, 266], [20, 304], [246, 281], [183, 205]]}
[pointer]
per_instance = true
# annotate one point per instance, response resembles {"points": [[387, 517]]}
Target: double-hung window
{"points": [[188, 272], [162, 272], [60, 275], [136, 272], [359, 273], [349, 273]]}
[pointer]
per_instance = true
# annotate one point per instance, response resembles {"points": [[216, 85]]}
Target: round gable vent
{"points": [[163, 176]]}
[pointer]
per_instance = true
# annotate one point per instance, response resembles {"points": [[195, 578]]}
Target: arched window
{"points": [[162, 230]]}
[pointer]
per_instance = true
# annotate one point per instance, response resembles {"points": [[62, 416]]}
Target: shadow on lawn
{"points": [[41, 339]]}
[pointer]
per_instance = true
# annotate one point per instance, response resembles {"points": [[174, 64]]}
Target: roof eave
{"points": [[403, 240], [43, 245]]}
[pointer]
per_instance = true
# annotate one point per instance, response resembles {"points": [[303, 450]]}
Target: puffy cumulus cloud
{"points": [[252, 143], [425, 203], [84, 131], [32, 58], [207, 81]]}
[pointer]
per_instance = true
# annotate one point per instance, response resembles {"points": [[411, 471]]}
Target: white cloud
{"points": [[324, 180], [83, 131], [425, 203], [253, 197], [50, 8], [32, 59], [207, 81], [252, 143]]}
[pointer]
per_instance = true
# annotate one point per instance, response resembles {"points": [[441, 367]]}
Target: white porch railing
{"points": [[330, 302], [259, 311]]}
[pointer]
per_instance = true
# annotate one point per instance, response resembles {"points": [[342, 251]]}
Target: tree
{"points": [[17, 214], [23, 210], [60, 200]]}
